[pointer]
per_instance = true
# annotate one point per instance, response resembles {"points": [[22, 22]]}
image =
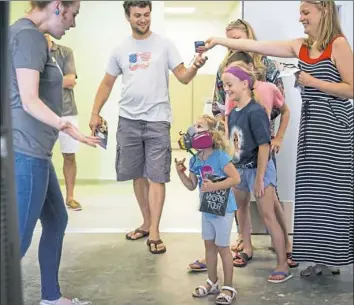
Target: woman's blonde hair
{"points": [[244, 26], [217, 129], [329, 26]]}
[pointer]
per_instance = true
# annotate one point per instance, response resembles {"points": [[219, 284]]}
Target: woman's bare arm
{"points": [[284, 121], [287, 49], [28, 84]]}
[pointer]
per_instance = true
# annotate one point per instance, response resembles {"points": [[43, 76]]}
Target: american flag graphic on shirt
{"points": [[139, 60]]}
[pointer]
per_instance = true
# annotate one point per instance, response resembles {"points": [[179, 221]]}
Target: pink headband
{"points": [[240, 74]]}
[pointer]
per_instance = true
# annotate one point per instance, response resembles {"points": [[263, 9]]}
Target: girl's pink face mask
{"points": [[202, 140], [195, 139]]}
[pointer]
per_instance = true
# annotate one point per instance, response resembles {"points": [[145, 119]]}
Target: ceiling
{"points": [[206, 8]]}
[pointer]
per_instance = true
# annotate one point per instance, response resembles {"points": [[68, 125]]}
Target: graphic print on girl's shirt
{"points": [[213, 165], [249, 128], [202, 172], [236, 138]]}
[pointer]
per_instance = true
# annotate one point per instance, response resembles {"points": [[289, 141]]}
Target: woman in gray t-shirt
{"points": [[36, 103]]}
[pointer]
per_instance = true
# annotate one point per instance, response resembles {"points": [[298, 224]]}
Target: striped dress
{"points": [[324, 192]]}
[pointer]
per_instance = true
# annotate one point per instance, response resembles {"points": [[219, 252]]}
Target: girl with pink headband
{"points": [[249, 131]]}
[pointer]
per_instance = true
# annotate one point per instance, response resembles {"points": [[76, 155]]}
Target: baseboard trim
{"points": [[94, 181]]}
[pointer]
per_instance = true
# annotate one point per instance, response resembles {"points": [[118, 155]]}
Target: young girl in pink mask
{"points": [[249, 131], [216, 229]]}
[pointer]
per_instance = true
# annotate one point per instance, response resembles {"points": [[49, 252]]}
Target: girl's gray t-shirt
{"points": [[28, 49]]}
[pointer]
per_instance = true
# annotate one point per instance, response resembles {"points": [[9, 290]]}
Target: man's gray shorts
{"points": [[143, 150]]}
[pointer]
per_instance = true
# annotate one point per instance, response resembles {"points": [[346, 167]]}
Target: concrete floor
{"points": [[112, 271], [100, 265]]}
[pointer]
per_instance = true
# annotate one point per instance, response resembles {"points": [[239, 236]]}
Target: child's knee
{"points": [[223, 249], [210, 245]]}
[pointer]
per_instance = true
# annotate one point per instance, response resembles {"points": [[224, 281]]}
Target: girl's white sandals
{"points": [[202, 291], [225, 299]]}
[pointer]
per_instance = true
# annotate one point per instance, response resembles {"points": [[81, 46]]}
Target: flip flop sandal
{"points": [[292, 263], [236, 248], [202, 291], [325, 270], [156, 243], [287, 276], [311, 270], [225, 299], [244, 257], [335, 271], [142, 233], [201, 267]]}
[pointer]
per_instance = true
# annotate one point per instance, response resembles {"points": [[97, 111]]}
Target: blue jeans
{"points": [[39, 197]]}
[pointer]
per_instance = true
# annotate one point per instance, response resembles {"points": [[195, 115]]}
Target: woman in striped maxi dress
{"points": [[324, 192]]}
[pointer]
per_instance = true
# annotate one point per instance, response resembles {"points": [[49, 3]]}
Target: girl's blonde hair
{"points": [[245, 68], [329, 26], [217, 129], [244, 26]]}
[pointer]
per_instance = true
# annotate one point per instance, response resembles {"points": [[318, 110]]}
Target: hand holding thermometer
{"points": [[197, 44]]}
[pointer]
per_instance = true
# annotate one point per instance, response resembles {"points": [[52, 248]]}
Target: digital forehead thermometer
{"points": [[197, 44]]}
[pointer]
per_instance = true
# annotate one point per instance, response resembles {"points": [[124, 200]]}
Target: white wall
{"points": [[346, 16], [282, 26], [183, 31], [236, 13]]}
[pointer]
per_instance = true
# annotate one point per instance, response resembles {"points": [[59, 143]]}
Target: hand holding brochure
{"points": [[102, 132], [215, 202]]}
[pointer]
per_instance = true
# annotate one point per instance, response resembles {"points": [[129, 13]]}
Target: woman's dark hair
{"points": [[43, 4], [240, 56], [128, 4]]}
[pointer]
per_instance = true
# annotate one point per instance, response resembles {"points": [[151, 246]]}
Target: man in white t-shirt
{"points": [[143, 137]]}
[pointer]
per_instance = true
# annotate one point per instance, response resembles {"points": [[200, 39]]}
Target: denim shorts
{"points": [[218, 228], [248, 177]]}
